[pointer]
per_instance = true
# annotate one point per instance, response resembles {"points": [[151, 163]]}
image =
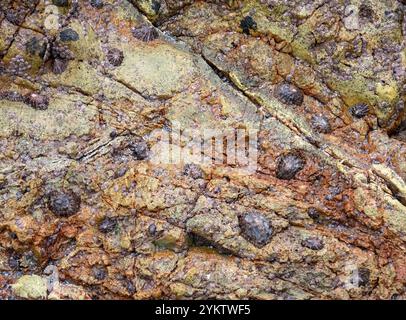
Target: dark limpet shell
{"points": [[313, 213], [34, 46], [256, 228], [107, 225], [247, 24], [115, 57], [289, 94], [68, 35], [59, 66], [359, 110], [152, 229], [99, 272], [140, 150], [98, 4], [313, 243], [289, 165], [145, 33], [64, 203], [156, 6], [37, 101], [61, 3], [193, 170], [321, 124]]}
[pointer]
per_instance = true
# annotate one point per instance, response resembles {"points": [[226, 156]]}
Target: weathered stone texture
{"points": [[85, 213]]}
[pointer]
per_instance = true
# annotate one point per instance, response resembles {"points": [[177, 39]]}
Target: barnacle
{"points": [[18, 66], [11, 96]]}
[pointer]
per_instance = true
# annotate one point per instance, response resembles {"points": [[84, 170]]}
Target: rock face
{"points": [[99, 99]]}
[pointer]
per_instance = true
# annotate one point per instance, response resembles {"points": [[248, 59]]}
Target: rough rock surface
{"points": [[83, 87]]}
